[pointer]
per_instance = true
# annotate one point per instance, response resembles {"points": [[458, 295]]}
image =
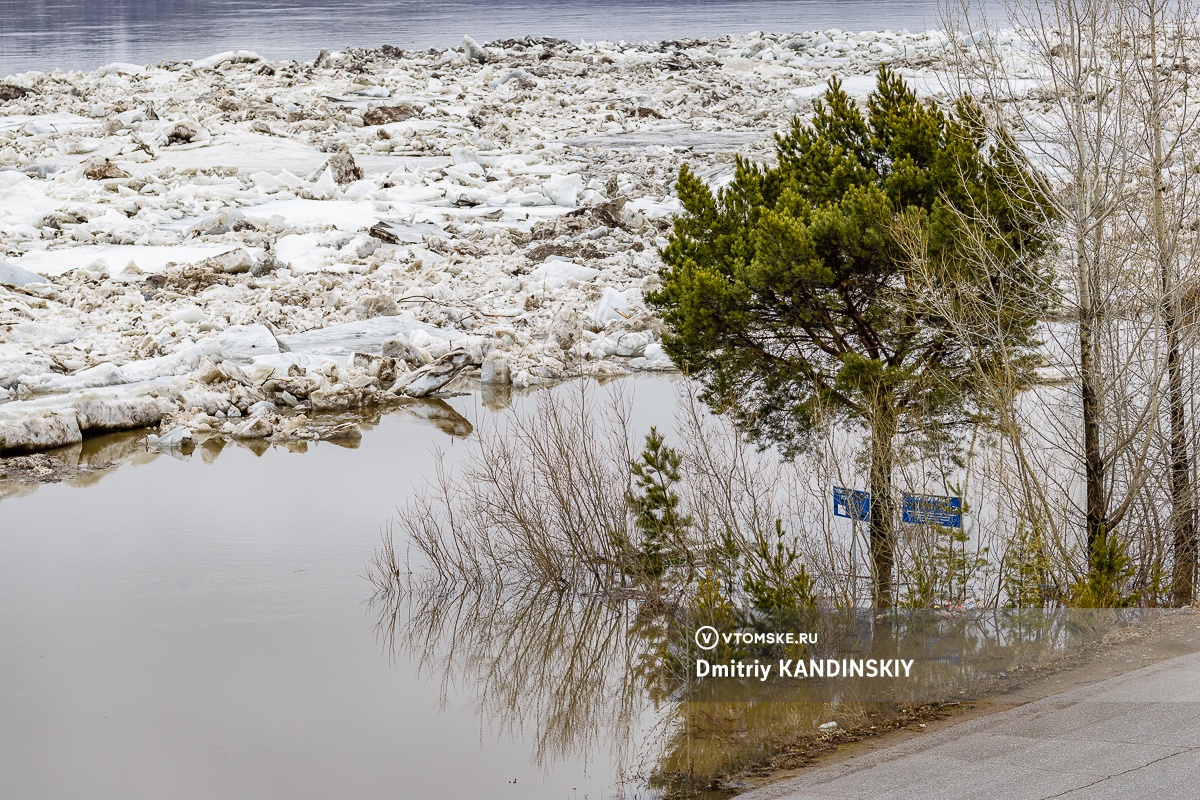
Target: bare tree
{"points": [[1073, 115], [1161, 36]]}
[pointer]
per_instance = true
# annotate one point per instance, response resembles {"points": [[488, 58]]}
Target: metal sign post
{"points": [[916, 509]]}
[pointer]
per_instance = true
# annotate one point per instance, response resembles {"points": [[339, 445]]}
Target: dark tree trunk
{"points": [[1093, 458], [882, 530], [1183, 519]]}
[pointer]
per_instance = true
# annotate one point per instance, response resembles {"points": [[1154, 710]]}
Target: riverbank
{"points": [[1172, 633], [226, 247]]}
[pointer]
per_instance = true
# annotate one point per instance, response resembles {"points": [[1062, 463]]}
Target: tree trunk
{"points": [[1183, 520], [882, 531], [1089, 380], [1183, 524]]}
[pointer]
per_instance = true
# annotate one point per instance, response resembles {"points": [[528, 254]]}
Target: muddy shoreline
{"points": [[1176, 632]]}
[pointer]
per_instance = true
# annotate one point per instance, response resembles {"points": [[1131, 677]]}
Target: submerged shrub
{"points": [[656, 509], [558, 497]]}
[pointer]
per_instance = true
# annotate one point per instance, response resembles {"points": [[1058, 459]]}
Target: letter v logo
{"points": [[707, 637]]}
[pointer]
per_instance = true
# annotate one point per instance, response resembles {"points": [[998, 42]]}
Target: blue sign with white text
{"points": [[923, 509], [917, 509], [851, 504]]}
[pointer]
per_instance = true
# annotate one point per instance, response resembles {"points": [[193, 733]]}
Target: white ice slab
{"points": [[149, 258]]}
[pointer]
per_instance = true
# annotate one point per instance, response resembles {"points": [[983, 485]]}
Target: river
{"points": [[82, 34]]}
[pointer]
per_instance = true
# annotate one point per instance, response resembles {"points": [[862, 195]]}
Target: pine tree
{"points": [[788, 295], [655, 505]]}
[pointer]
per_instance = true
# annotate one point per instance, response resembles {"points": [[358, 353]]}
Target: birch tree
{"points": [[1161, 36]]}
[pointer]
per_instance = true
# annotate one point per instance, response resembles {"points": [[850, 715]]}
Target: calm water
{"points": [[198, 628], [84, 34]]}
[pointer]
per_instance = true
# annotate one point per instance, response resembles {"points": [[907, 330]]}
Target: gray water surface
{"points": [[197, 627], [85, 34], [190, 630]]}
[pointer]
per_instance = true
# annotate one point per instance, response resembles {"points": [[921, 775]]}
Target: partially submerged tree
{"points": [[788, 296], [658, 518], [1112, 121], [1162, 37]]}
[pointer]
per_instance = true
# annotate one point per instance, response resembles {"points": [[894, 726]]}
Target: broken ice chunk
{"points": [[563, 189], [558, 271], [176, 437], [612, 305]]}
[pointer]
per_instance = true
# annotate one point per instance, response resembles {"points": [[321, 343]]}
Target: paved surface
{"points": [[1133, 736]]}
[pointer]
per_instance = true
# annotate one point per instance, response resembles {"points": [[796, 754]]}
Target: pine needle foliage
{"points": [[790, 298], [655, 504]]}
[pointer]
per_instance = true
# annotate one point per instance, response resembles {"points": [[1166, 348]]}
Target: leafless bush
{"points": [[542, 497]]}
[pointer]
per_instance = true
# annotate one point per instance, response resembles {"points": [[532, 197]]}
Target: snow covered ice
{"points": [[186, 242]]}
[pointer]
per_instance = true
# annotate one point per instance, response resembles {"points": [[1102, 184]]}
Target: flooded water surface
{"points": [[202, 626], [182, 629]]}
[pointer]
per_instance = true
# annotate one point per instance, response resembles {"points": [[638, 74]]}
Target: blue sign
{"points": [[922, 509], [851, 504], [918, 509]]}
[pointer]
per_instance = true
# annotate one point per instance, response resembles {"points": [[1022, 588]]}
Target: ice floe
{"points": [[232, 247]]}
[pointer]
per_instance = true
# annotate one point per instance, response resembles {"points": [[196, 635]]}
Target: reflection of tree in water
{"points": [[540, 663], [585, 675]]}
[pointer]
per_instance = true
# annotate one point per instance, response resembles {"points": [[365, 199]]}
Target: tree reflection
{"points": [[541, 663], [615, 674]]}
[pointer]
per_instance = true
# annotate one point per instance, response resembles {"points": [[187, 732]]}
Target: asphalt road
{"points": [[1133, 736]]}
